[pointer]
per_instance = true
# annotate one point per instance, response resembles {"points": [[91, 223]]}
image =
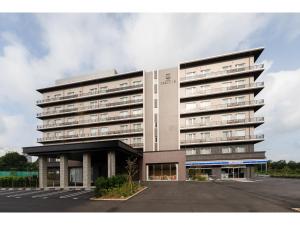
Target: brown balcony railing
{"points": [[224, 122], [88, 108], [225, 106], [222, 139], [199, 76], [90, 135], [89, 121], [89, 94], [225, 89]]}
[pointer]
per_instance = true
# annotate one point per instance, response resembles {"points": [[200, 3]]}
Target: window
{"points": [[240, 83], [227, 133], [240, 116], [103, 116], [205, 104], [205, 135], [240, 99], [226, 100], [155, 74], [165, 171], [70, 119], [226, 85], [124, 127], [227, 67], [124, 113], [240, 149], [93, 104], [71, 132], [204, 71], [190, 106], [239, 65], [204, 88], [104, 130], [204, 119], [137, 112], [137, 82], [137, 140], [190, 121], [124, 99], [103, 89], [205, 151], [136, 97], [125, 140], [123, 85], [71, 93], [94, 131], [226, 117], [93, 90], [57, 121], [94, 117], [190, 136], [57, 96], [71, 106], [58, 134], [226, 150], [190, 152], [155, 103], [103, 102], [137, 126], [190, 91], [240, 133], [155, 88], [190, 74]]}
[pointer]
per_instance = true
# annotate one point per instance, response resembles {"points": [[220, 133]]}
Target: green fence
{"points": [[18, 173]]}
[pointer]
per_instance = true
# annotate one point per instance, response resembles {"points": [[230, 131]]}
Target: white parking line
{"points": [[23, 194], [46, 195], [75, 194], [8, 192]]}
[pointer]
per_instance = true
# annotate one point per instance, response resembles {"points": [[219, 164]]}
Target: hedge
{"points": [[14, 181], [103, 184]]}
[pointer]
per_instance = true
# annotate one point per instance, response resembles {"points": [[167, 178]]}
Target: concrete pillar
{"points": [[87, 170], [63, 171], [42, 171], [111, 163]]}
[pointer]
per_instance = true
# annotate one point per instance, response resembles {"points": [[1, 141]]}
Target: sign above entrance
{"points": [[220, 163]]}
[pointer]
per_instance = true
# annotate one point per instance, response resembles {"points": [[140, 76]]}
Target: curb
{"points": [[118, 199]]}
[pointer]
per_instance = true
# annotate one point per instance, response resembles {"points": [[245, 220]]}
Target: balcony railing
{"points": [[89, 121], [225, 89], [222, 139], [224, 106], [89, 108], [89, 94], [137, 145], [200, 76], [223, 123], [89, 135]]}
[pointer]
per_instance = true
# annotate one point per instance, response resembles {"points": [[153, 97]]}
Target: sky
{"points": [[37, 49]]}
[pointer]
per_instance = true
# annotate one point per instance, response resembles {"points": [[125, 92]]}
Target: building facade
{"points": [[196, 118]]}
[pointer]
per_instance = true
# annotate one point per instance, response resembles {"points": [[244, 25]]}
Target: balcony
{"points": [[256, 104], [222, 73], [227, 156], [256, 87], [224, 123], [90, 135], [97, 107], [90, 122], [101, 93], [137, 145], [220, 140]]}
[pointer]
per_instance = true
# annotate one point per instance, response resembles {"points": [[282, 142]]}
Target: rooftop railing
{"points": [[89, 94], [222, 139], [90, 135], [89, 121], [224, 89], [223, 122], [88, 108], [224, 106], [220, 73]]}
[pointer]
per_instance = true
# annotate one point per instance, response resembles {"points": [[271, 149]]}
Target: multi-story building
{"points": [[196, 118]]}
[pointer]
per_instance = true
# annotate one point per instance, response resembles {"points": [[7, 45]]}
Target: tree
{"points": [[132, 170], [13, 161]]}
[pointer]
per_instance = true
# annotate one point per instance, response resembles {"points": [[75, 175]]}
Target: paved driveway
{"points": [[266, 195]]}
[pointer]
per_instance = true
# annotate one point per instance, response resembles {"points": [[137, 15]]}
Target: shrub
{"points": [[103, 184], [13, 181]]}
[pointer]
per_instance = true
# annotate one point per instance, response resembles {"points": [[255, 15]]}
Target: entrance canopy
{"points": [[96, 146]]}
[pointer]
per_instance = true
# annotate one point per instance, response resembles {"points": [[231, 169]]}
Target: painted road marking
{"points": [[23, 194], [8, 192], [75, 194], [46, 195]]}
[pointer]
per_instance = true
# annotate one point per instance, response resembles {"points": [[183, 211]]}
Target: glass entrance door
{"points": [[233, 172]]}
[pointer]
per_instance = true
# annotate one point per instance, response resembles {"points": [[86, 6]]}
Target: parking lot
{"points": [[262, 195]]}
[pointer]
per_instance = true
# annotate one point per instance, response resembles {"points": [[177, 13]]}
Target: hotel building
{"points": [[195, 118]]}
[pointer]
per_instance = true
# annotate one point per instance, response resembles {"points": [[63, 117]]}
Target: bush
{"points": [[13, 181], [103, 184]]}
